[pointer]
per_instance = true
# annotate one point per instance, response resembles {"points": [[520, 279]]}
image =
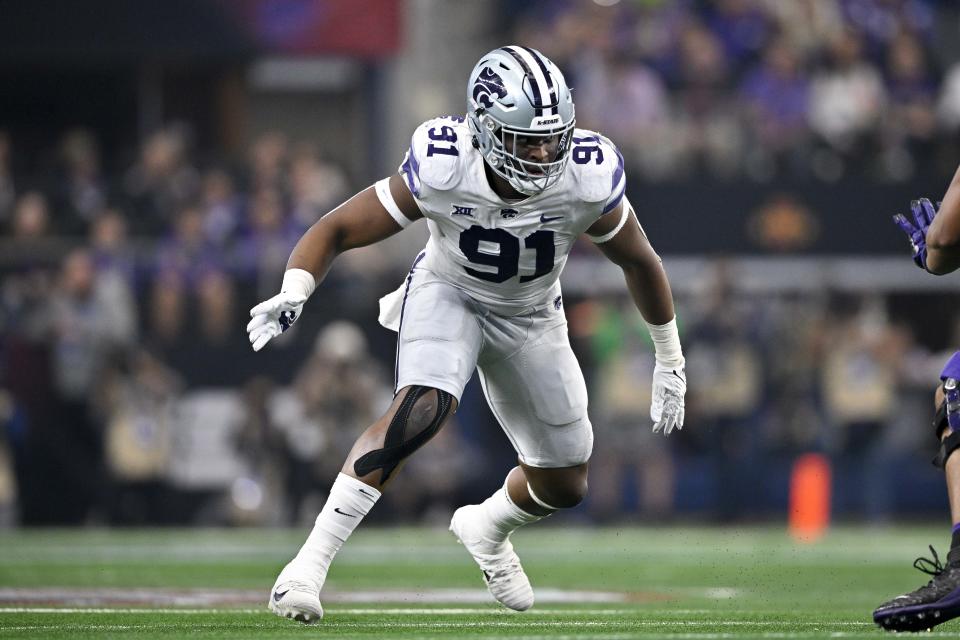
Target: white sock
{"points": [[502, 517], [349, 501]]}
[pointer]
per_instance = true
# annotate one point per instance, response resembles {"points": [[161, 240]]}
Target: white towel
{"points": [[390, 307]]}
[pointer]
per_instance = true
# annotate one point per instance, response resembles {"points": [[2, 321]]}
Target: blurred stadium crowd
{"points": [[128, 393], [759, 88]]}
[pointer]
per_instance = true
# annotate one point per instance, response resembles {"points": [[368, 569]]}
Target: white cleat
{"points": [[296, 598], [499, 563]]}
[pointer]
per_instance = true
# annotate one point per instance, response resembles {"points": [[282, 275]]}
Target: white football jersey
{"points": [[506, 255]]}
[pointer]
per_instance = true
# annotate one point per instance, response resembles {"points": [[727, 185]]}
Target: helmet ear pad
{"points": [[483, 128]]}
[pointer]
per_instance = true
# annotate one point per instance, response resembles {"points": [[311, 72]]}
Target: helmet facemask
{"points": [[504, 148]]}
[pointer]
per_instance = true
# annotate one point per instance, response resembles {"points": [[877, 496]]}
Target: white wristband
{"points": [[666, 343], [298, 281]]}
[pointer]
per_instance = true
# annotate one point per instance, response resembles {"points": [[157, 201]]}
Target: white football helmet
{"points": [[517, 99]]}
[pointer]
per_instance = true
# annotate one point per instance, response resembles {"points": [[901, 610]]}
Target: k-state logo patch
{"points": [[459, 210], [509, 213], [488, 84]]}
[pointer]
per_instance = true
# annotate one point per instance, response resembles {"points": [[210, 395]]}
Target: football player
{"points": [[935, 238], [506, 192]]}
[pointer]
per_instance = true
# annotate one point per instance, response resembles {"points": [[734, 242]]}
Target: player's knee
{"points": [[426, 410], [417, 415]]}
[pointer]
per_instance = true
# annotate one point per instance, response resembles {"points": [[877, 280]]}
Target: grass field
{"points": [[419, 583]]}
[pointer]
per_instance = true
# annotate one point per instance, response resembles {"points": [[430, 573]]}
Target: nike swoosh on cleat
{"points": [[544, 218], [344, 513], [277, 596]]}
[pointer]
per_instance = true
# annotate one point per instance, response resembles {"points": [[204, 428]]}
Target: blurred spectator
{"points": [[137, 403], [83, 193], [161, 182], [809, 25], [267, 163], [846, 101], [205, 354], [269, 237], [8, 481], [859, 389], [884, 20], [166, 312], [707, 121], [31, 218], [775, 95], [215, 308], [911, 121], [257, 496], [222, 208], [316, 186], [8, 192], [726, 373], [91, 320], [642, 131], [110, 246], [35, 257], [948, 107], [187, 251], [634, 471], [743, 28]]}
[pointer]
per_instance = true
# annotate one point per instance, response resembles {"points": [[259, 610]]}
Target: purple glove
{"points": [[923, 213]]}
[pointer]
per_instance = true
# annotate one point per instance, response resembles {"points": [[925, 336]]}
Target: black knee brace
{"points": [[396, 444], [948, 415]]}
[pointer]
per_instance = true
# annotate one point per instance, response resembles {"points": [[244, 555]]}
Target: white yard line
{"points": [[512, 619], [335, 611], [120, 596]]}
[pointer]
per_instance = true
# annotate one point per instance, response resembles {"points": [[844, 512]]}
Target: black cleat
{"points": [[930, 605]]}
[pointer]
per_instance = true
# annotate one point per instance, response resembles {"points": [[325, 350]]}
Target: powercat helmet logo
{"points": [[487, 85]]}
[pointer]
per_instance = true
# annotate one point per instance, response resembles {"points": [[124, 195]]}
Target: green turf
{"points": [[679, 583]]}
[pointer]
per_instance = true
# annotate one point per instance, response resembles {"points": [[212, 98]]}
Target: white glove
{"points": [[666, 407], [274, 316]]}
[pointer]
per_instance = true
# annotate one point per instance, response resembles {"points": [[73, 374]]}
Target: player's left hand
{"points": [[666, 408], [923, 214]]}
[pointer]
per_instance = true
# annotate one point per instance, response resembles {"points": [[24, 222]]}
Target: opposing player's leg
{"points": [[538, 394], [938, 600], [436, 354]]}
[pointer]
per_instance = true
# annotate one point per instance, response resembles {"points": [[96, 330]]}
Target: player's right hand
{"points": [[272, 317], [923, 214]]}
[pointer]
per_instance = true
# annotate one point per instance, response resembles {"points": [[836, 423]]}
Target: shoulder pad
{"points": [[435, 152], [597, 167]]}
